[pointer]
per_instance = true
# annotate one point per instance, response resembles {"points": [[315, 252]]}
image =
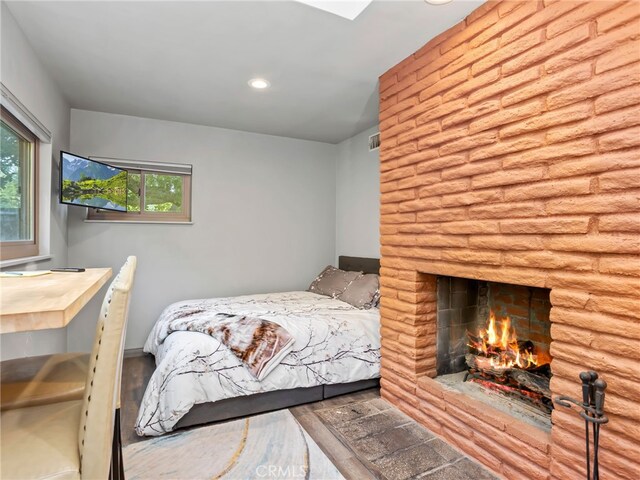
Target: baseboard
{"points": [[134, 352]]}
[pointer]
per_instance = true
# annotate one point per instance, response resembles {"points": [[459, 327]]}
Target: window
{"points": [[156, 192], [18, 189]]}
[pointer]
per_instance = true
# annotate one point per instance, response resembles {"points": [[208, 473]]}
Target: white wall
{"points": [[358, 197], [23, 74], [263, 212]]}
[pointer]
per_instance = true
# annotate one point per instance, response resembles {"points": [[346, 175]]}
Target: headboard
{"points": [[359, 264]]}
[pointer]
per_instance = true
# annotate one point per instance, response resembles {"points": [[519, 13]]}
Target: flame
{"points": [[491, 333], [500, 346]]}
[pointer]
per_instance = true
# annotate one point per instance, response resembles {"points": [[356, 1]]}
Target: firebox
{"points": [[493, 344]]}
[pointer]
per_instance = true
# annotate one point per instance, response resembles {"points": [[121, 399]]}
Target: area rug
{"points": [[266, 446]]}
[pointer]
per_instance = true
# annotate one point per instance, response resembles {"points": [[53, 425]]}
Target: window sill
{"points": [[20, 261], [150, 222]]}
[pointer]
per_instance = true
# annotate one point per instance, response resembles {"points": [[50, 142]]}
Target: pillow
{"points": [[332, 281], [363, 292]]}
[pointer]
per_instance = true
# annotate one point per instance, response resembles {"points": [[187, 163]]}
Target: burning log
{"points": [[525, 346], [531, 398], [518, 377], [483, 365], [499, 361], [535, 383]]}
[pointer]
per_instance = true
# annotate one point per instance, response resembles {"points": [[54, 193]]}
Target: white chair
{"points": [[32, 381], [72, 439]]}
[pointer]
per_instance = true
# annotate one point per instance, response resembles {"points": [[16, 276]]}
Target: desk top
{"points": [[47, 301]]}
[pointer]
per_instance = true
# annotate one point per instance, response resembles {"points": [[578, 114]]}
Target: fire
{"points": [[500, 346]]}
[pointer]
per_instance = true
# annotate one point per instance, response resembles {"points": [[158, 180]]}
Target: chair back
{"points": [[102, 390]]}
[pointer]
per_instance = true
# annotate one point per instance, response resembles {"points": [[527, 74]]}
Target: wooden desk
{"points": [[47, 301]]}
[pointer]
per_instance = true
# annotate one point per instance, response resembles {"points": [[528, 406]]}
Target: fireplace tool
{"points": [[592, 410]]}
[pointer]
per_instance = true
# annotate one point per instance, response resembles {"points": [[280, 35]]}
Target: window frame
{"points": [[143, 216], [25, 248]]}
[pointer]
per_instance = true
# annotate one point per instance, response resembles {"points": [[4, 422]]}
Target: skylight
{"points": [[348, 9]]}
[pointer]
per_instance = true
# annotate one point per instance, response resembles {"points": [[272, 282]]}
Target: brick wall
{"points": [[511, 153], [461, 308], [527, 308]]}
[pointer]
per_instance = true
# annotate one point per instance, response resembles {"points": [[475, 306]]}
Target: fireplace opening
{"points": [[493, 344]]}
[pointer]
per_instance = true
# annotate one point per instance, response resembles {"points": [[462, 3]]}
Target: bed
{"points": [[335, 350]]}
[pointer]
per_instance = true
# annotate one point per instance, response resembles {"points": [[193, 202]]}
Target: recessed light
{"points": [[259, 83], [437, 2]]}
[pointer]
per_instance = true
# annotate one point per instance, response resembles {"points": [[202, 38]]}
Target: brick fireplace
{"points": [[492, 343], [465, 306], [510, 154]]}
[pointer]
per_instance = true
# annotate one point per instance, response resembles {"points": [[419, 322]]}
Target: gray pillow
{"points": [[332, 281], [363, 292]]}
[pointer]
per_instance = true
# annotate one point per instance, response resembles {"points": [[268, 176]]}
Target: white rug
{"points": [[267, 446]]}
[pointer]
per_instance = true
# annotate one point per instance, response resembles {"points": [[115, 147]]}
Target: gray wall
{"points": [[358, 197], [269, 212], [23, 74], [263, 212]]}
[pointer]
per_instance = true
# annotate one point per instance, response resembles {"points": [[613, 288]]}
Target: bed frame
{"points": [[278, 399]]}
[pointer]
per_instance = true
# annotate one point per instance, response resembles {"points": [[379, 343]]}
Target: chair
{"points": [[72, 439], [32, 381]]}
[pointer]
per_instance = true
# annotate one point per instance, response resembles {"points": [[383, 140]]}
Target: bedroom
{"points": [[283, 183]]}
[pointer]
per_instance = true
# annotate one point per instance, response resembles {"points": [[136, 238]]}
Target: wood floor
{"points": [[138, 368], [362, 435]]}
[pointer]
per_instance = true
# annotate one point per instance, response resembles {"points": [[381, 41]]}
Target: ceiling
{"points": [[191, 61]]}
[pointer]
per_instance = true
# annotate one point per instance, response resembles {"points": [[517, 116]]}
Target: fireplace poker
{"points": [[600, 386], [592, 410], [592, 404], [586, 395]]}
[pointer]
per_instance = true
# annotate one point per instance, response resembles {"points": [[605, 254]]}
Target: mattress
{"points": [[334, 343]]}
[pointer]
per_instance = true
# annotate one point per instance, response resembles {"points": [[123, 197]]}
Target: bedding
{"points": [[259, 344], [332, 281], [363, 292], [334, 343]]}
